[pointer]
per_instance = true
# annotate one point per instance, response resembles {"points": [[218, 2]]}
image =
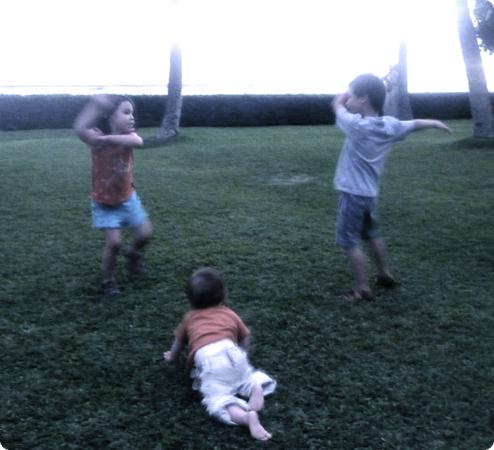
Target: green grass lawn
{"points": [[412, 370]]}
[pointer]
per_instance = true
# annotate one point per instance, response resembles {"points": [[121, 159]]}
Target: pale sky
{"points": [[265, 46]]}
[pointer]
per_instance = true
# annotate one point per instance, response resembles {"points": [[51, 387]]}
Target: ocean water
{"points": [[233, 89]]}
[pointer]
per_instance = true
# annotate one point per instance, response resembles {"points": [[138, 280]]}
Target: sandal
{"points": [[110, 288], [358, 296], [386, 281]]}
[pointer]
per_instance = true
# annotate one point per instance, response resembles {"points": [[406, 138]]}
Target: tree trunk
{"points": [[397, 103], [171, 121], [404, 108], [391, 102], [480, 105]]}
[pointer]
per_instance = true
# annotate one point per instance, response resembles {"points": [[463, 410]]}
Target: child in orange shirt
{"points": [[107, 126], [218, 341]]}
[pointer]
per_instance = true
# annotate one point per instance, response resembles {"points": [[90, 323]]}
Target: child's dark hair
{"points": [[371, 86], [103, 122], [206, 288]]}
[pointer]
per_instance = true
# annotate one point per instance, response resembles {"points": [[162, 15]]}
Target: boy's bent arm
{"points": [[339, 101], [422, 124]]}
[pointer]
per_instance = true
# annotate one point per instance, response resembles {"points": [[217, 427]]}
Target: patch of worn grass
{"points": [[412, 370]]}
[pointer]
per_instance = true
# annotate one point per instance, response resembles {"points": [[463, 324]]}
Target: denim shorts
{"points": [[357, 219], [129, 213]]}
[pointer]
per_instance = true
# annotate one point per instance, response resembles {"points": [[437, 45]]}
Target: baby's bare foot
{"points": [[257, 431], [256, 399]]}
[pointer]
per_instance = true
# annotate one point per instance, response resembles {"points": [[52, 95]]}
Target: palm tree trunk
{"points": [[397, 103], [171, 121], [480, 105], [404, 108]]}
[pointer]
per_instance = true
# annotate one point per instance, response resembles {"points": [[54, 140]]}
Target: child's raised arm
{"points": [[84, 123], [339, 101], [422, 124]]}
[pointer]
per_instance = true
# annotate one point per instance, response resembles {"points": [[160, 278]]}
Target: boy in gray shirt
{"points": [[369, 139]]}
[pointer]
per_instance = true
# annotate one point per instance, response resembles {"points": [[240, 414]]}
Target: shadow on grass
{"points": [[472, 143], [154, 142]]}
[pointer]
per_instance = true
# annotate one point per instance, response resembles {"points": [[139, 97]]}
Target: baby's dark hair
{"points": [[115, 100], [206, 288], [371, 86]]}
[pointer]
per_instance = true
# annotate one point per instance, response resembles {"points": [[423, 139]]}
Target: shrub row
{"points": [[58, 111]]}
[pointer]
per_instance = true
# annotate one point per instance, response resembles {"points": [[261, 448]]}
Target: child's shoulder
{"points": [[221, 309], [225, 307], [208, 311]]}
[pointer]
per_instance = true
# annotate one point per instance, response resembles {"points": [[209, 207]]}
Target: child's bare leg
{"points": [[256, 399], [142, 236], [113, 241], [357, 260], [378, 248], [251, 420]]}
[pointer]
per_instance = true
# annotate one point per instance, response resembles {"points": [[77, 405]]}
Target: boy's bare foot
{"points": [[257, 431], [256, 399], [358, 296]]}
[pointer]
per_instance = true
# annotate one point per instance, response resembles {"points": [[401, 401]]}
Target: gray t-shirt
{"points": [[365, 150]]}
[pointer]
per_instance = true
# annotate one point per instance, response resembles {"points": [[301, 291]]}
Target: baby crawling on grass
{"points": [[218, 342]]}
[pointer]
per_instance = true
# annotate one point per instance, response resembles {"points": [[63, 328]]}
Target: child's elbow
{"points": [[137, 140], [81, 133], [78, 128]]}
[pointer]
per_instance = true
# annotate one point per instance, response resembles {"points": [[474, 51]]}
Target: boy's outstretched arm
{"points": [[174, 351], [422, 124]]}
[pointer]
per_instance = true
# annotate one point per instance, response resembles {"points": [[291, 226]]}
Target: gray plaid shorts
{"points": [[357, 219]]}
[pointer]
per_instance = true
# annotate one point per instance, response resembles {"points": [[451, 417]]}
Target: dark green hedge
{"points": [[58, 111]]}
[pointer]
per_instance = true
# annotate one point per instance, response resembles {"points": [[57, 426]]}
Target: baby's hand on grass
{"points": [[168, 356]]}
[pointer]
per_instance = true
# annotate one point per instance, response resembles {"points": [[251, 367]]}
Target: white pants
{"points": [[222, 371]]}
